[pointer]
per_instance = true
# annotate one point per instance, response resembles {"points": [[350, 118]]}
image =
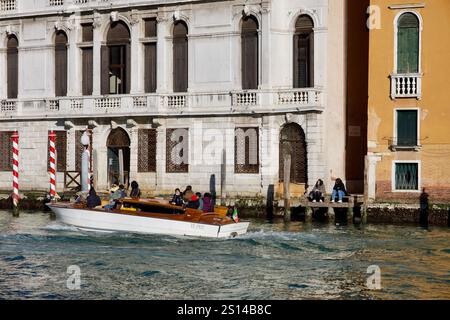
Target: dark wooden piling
{"points": [[287, 181]]}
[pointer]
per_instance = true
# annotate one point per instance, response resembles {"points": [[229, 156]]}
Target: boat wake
{"points": [[59, 227]]}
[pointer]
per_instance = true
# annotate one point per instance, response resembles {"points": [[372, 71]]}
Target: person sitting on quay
{"points": [[177, 199], [318, 192], [339, 191], [200, 201], [93, 200], [207, 203], [193, 203], [135, 191]]}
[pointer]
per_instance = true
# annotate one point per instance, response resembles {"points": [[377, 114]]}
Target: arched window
{"points": [[180, 57], [116, 60], [60, 64], [304, 52], [12, 57], [250, 53], [408, 38]]}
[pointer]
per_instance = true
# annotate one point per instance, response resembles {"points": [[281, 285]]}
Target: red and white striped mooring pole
{"points": [[52, 150], [15, 195]]}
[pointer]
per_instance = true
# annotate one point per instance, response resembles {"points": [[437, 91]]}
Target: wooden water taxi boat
{"points": [[149, 216]]}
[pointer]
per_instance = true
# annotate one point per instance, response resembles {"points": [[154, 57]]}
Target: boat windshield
{"points": [[150, 208]]}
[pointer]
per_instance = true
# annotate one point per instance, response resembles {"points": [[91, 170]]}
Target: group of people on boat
{"points": [[116, 192], [192, 200], [318, 192]]}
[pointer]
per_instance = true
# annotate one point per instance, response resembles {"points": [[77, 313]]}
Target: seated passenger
{"points": [[317, 192], [187, 194], [114, 192], [93, 200], [135, 191], [193, 203], [122, 191], [177, 198], [200, 200], [339, 191], [207, 203]]}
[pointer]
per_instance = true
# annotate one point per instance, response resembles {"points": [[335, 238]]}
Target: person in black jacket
{"points": [[135, 191], [93, 200], [339, 191], [177, 198]]}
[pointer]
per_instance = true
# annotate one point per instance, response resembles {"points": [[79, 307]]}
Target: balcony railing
{"points": [[221, 103], [37, 7], [406, 86]]}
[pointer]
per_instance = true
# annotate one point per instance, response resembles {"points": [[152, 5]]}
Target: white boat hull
{"points": [[113, 222]]}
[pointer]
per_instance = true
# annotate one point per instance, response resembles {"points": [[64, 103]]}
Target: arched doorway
{"points": [[118, 144], [292, 141]]}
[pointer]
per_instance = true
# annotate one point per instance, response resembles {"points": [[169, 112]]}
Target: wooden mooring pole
{"points": [[287, 181]]}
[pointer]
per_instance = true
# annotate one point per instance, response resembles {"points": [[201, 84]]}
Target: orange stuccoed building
{"points": [[408, 133]]}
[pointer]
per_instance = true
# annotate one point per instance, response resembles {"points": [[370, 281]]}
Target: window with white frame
{"points": [[407, 127], [406, 176], [406, 80], [408, 43]]}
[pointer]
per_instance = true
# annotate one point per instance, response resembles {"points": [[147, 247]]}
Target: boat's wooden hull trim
{"points": [[114, 222]]}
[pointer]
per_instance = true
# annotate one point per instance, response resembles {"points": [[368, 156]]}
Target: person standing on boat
{"points": [[135, 191], [93, 200], [207, 203], [177, 198]]}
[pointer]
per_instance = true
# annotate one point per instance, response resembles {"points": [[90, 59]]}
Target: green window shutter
{"points": [[408, 44], [407, 128]]}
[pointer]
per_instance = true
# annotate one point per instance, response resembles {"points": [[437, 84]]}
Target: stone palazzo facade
{"points": [[228, 87]]}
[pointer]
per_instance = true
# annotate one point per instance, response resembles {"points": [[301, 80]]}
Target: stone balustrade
{"points": [[406, 86], [220, 103], [48, 6]]}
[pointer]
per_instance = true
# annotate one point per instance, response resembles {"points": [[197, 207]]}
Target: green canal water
{"points": [[273, 261]]}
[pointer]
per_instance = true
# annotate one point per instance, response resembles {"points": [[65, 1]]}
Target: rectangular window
{"points": [[87, 56], [249, 68], [61, 151], [6, 154], [146, 150], [406, 176], [177, 150], [150, 27], [246, 150], [150, 67], [407, 128], [180, 64], [87, 32]]}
